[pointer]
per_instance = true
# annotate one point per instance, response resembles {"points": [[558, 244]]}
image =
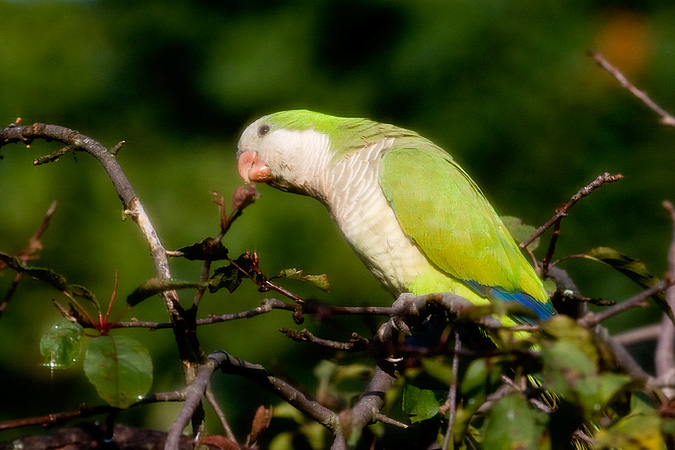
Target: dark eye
{"points": [[263, 130]]}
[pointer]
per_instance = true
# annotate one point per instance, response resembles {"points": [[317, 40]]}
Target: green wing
{"points": [[443, 211]]}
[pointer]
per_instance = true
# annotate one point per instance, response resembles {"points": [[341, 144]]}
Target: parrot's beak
{"points": [[253, 168]]}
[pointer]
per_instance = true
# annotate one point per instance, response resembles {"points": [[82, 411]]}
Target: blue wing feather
{"points": [[542, 310]]}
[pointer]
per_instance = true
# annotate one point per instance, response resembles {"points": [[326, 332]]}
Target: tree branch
{"points": [[664, 356], [562, 211], [257, 373], [34, 245], [665, 118], [63, 417], [592, 319], [352, 421], [91, 436], [184, 328]]}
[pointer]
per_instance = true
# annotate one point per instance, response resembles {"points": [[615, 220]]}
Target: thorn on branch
{"points": [[389, 421], [115, 150], [53, 157]]}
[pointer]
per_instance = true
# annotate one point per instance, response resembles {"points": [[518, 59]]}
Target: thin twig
{"points": [[352, 421], [389, 421], [267, 305], [357, 342], [664, 359], [665, 118], [184, 328], [452, 392], [562, 211], [637, 335], [63, 417], [592, 319], [194, 393], [263, 282], [73, 140], [34, 245], [220, 414], [257, 373], [545, 262]]}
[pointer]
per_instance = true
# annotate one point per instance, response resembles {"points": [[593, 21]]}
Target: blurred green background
{"points": [[506, 86]]}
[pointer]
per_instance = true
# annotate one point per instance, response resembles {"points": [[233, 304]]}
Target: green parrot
{"points": [[413, 216]]}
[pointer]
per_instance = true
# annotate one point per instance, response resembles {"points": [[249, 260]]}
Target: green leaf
{"points": [[120, 369], [438, 370], [520, 231], [205, 249], [513, 424], [48, 276], [571, 368], [475, 378], [82, 292], [568, 355], [565, 365], [154, 286], [594, 392], [319, 281], [421, 404], [640, 429], [61, 345], [564, 328], [634, 269], [231, 276]]}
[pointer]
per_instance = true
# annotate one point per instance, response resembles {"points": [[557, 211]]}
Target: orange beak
{"points": [[253, 168]]}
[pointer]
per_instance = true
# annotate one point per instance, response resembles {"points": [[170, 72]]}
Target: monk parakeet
{"points": [[411, 214]]}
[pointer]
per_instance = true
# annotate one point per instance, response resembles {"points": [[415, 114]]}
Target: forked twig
{"points": [[562, 211]]}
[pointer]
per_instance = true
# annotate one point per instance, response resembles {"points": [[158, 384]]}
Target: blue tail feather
{"points": [[542, 310]]}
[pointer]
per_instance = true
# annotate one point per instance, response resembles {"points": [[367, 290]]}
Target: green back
{"points": [[448, 217]]}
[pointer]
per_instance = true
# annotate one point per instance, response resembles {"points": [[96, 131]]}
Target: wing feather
{"points": [[447, 216]]}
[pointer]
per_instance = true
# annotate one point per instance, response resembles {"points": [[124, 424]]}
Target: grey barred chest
{"points": [[371, 228]]}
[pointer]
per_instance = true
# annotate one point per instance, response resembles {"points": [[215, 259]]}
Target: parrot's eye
{"points": [[263, 130]]}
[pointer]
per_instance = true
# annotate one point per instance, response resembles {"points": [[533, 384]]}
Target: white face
{"points": [[286, 159]]}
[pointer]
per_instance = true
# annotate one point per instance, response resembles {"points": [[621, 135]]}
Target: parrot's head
{"points": [[287, 150]]}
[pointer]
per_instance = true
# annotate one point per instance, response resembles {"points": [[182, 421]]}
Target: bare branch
{"points": [[220, 414], [77, 141], [665, 118], [61, 418], [619, 352], [562, 211], [366, 409], [452, 393], [194, 393], [90, 436], [34, 245], [637, 335], [664, 356], [592, 319], [357, 343], [183, 324], [257, 373]]}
